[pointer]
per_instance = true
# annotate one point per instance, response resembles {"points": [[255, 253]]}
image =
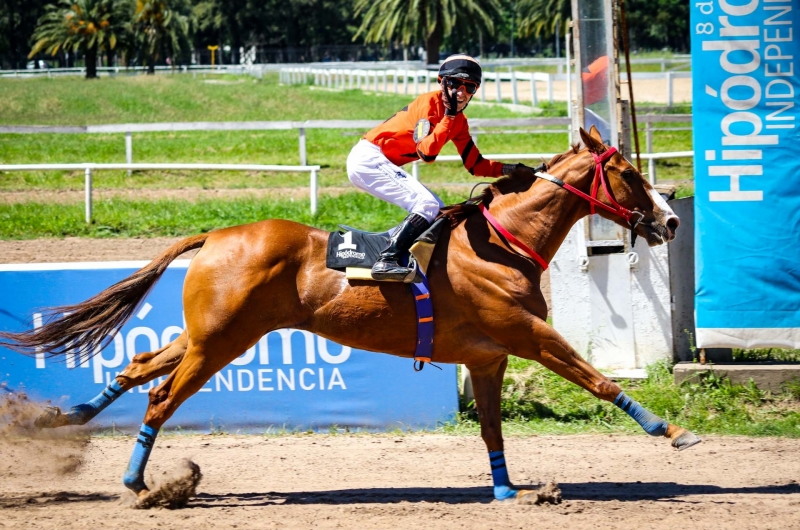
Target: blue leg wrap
{"points": [[134, 475], [84, 412], [503, 489], [652, 424]]}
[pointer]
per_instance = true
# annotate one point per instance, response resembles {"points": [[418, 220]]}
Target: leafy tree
{"points": [[89, 26], [544, 17], [426, 21], [161, 29], [17, 21]]}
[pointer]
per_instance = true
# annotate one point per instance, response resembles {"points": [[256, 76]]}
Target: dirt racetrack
{"points": [[389, 481], [419, 481]]}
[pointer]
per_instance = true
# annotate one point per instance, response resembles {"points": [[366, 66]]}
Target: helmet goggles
{"points": [[455, 83]]}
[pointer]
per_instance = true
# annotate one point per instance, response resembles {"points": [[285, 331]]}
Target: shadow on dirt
{"points": [[577, 491]]}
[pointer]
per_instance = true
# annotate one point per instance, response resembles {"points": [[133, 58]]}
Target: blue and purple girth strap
{"points": [[424, 306]]}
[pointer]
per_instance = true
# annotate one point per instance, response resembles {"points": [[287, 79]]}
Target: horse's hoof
{"points": [[685, 440], [49, 418]]}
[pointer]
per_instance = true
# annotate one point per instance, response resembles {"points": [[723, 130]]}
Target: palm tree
{"points": [[423, 20], [88, 26], [550, 17], [160, 28]]}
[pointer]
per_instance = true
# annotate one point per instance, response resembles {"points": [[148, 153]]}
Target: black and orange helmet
{"points": [[461, 67]]}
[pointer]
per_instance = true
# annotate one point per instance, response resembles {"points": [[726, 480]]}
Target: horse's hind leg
{"points": [[552, 350], [142, 369]]}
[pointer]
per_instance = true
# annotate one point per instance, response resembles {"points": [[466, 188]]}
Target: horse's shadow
{"points": [[571, 491]]}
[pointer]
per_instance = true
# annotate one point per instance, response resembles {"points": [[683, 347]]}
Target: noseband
{"points": [[599, 179]]}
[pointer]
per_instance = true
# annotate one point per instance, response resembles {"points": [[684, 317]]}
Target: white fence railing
{"points": [[477, 127], [415, 81], [89, 168]]}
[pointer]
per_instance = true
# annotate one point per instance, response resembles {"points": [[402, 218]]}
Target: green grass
{"points": [[76, 101], [537, 401], [153, 218]]}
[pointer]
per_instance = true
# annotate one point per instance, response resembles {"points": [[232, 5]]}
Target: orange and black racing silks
{"points": [[421, 129]]}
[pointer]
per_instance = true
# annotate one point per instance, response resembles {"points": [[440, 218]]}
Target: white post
{"points": [[549, 88], [669, 89], [514, 88], [385, 82], [396, 81], [415, 170], [313, 192], [88, 182], [534, 97], [350, 84], [376, 82], [567, 39], [302, 146], [129, 150], [483, 89], [498, 88], [405, 81], [416, 82], [651, 164], [427, 81]]}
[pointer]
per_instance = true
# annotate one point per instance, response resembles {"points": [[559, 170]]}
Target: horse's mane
{"points": [[518, 180]]}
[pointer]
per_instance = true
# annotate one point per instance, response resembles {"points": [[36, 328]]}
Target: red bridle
{"points": [[599, 179]]}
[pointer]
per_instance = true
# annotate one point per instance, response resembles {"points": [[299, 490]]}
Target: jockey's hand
{"points": [[508, 168], [450, 100]]}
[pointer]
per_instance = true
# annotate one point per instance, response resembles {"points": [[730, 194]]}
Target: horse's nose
{"points": [[672, 226]]}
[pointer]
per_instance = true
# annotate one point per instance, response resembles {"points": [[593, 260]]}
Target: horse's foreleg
{"points": [[195, 368], [552, 350], [487, 382], [144, 368]]}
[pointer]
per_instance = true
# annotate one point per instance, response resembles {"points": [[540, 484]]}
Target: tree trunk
{"points": [[432, 45], [90, 58]]}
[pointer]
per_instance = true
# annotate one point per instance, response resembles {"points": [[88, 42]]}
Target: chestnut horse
{"points": [[249, 280]]}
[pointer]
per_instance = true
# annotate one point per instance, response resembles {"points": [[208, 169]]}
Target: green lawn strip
{"points": [[151, 218], [537, 401], [180, 98]]}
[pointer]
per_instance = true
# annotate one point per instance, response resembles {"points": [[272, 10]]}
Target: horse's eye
{"points": [[628, 174]]}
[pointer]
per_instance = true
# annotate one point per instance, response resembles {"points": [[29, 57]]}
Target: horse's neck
{"points": [[542, 216]]}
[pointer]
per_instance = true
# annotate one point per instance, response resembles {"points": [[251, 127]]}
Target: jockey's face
{"points": [[460, 88]]}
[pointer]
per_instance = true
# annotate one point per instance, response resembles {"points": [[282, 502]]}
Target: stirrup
{"points": [[409, 274]]}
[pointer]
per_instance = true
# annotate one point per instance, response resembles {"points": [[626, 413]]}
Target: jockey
{"points": [[419, 131]]}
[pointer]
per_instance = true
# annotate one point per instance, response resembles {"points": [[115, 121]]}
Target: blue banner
{"points": [[747, 166], [291, 379]]}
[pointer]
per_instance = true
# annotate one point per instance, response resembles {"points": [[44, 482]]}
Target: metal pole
{"points": [[88, 181], [302, 143], [313, 192], [129, 150], [415, 170]]}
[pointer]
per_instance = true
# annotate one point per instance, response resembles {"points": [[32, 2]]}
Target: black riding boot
{"points": [[387, 267]]}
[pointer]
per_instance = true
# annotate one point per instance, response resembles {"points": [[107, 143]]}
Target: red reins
{"points": [[599, 179]]}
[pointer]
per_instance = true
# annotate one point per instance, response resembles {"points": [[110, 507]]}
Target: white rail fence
{"points": [[90, 168], [414, 81], [478, 127]]}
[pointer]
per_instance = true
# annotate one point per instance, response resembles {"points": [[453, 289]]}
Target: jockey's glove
{"points": [[451, 109]]}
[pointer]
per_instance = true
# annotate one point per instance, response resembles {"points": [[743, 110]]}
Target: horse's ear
{"points": [[592, 140]]}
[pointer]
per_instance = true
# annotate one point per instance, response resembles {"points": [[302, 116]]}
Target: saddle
{"points": [[355, 251]]}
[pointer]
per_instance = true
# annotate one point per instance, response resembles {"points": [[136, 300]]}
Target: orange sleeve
{"points": [[471, 156], [429, 147]]}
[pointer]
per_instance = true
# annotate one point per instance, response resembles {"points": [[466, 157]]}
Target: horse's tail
{"points": [[86, 328]]}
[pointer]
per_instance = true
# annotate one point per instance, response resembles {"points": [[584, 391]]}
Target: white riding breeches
{"points": [[369, 170]]}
